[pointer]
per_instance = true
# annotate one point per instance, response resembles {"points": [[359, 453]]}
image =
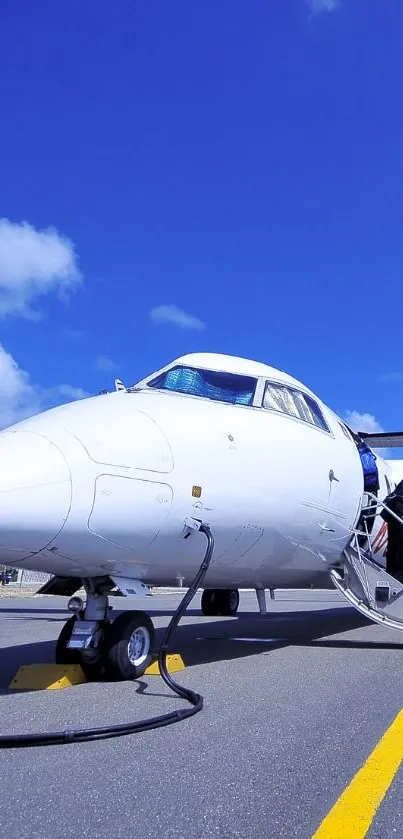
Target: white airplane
{"points": [[110, 492]]}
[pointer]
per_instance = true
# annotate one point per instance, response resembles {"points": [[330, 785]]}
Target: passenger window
{"points": [[294, 403], [221, 386]]}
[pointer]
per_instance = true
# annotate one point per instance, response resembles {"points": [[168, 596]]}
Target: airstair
{"points": [[364, 582]]}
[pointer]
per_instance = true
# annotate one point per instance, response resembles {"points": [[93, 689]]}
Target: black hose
{"points": [[195, 699]]}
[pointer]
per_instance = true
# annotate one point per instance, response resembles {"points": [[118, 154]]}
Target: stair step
{"points": [[367, 585]]}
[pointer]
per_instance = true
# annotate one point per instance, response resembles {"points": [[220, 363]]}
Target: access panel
{"points": [[129, 512]]}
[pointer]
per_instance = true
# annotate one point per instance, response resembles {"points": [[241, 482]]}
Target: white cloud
{"points": [[21, 398], [368, 423], [32, 263], [67, 392], [322, 5], [104, 364], [172, 314], [362, 422]]}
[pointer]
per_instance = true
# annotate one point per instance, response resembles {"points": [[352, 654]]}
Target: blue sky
{"points": [[201, 176]]}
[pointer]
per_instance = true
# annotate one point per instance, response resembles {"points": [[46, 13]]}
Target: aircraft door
{"points": [[346, 482], [324, 470]]}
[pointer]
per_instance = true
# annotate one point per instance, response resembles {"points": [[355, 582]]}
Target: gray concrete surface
{"points": [[289, 717]]}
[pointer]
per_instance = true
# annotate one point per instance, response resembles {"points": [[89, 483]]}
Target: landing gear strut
{"points": [[63, 654], [216, 601], [119, 649]]}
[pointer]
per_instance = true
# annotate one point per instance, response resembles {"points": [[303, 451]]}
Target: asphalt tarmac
{"points": [[294, 704]]}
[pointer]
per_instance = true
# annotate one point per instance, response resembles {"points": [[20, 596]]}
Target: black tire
{"points": [[94, 661], [210, 601], [92, 664], [62, 654], [220, 602], [123, 663], [230, 601], [94, 667]]}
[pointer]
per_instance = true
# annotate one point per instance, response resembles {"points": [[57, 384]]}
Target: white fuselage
{"points": [[103, 487]]}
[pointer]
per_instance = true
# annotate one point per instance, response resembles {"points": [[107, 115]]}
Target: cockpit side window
{"points": [[211, 384], [293, 402], [346, 431]]}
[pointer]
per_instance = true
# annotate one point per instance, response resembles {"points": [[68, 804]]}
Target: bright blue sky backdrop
{"points": [[237, 167]]}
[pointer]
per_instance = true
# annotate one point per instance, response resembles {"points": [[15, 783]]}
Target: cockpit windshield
{"points": [[212, 384]]}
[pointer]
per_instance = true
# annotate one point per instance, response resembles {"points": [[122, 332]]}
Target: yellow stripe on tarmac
{"points": [[353, 813]]}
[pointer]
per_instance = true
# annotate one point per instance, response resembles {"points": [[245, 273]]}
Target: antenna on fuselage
{"points": [[119, 385]]}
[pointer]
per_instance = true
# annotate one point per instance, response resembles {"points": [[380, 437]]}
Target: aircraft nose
{"points": [[35, 494]]}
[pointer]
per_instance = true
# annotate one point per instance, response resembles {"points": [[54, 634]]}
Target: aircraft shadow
{"points": [[327, 643], [251, 634], [212, 640], [38, 611], [64, 613]]}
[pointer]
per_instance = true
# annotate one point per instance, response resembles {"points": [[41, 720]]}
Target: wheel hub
{"points": [[139, 646]]}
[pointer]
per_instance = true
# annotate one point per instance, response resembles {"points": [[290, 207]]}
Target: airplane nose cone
{"points": [[35, 494]]}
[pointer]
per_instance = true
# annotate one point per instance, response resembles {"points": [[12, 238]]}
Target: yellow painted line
{"points": [[47, 677], [353, 813]]}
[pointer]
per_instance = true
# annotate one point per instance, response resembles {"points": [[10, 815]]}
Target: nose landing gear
{"points": [[137, 649], [119, 649]]}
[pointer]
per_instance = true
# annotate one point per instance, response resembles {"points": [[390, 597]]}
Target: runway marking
{"points": [[246, 640], [259, 640], [353, 813]]}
